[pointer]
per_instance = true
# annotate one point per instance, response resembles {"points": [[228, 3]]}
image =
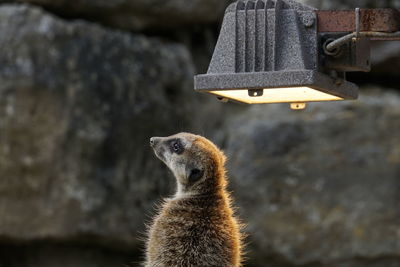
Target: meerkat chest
{"points": [[184, 233]]}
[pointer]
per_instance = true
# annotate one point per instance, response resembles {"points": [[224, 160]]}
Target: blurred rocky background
{"points": [[84, 84]]}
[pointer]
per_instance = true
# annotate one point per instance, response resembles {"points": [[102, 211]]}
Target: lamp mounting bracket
{"points": [[376, 20]]}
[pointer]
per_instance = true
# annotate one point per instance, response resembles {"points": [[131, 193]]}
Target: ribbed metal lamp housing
{"points": [[267, 52]]}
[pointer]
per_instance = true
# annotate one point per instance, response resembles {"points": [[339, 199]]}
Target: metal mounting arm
{"points": [[345, 36], [376, 20]]}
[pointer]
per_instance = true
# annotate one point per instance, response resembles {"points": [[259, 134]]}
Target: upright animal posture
{"points": [[197, 227]]}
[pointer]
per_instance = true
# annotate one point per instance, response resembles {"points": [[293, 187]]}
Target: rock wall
{"points": [[78, 103], [327, 178], [138, 14], [84, 85]]}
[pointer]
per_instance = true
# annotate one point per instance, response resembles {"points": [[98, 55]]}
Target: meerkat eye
{"points": [[176, 147]]}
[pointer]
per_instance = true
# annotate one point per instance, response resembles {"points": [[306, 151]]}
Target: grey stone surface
{"points": [[138, 14], [319, 187], [77, 106]]}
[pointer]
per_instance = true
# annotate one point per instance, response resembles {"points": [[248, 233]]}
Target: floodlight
{"points": [[274, 52]]}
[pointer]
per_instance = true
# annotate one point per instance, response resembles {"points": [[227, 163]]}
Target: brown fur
{"points": [[197, 227]]}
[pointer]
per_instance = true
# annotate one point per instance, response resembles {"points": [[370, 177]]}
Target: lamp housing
{"points": [[270, 52]]}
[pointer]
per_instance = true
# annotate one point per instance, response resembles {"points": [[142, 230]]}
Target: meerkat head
{"points": [[198, 165]]}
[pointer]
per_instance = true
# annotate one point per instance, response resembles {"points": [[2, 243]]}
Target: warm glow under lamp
{"points": [[276, 95]]}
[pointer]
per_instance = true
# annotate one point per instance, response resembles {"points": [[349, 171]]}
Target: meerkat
{"points": [[197, 226]]}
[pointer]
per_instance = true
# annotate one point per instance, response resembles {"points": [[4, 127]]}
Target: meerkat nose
{"points": [[154, 141]]}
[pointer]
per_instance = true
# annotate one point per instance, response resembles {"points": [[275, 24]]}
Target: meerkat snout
{"points": [[152, 141], [196, 227], [159, 149]]}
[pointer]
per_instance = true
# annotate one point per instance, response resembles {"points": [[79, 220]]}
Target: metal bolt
{"points": [[338, 82], [223, 99], [308, 21], [298, 106]]}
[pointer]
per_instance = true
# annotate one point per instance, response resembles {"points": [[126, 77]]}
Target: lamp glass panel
{"points": [[278, 95]]}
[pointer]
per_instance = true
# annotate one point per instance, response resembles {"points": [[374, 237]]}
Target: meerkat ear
{"points": [[194, 174]]}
